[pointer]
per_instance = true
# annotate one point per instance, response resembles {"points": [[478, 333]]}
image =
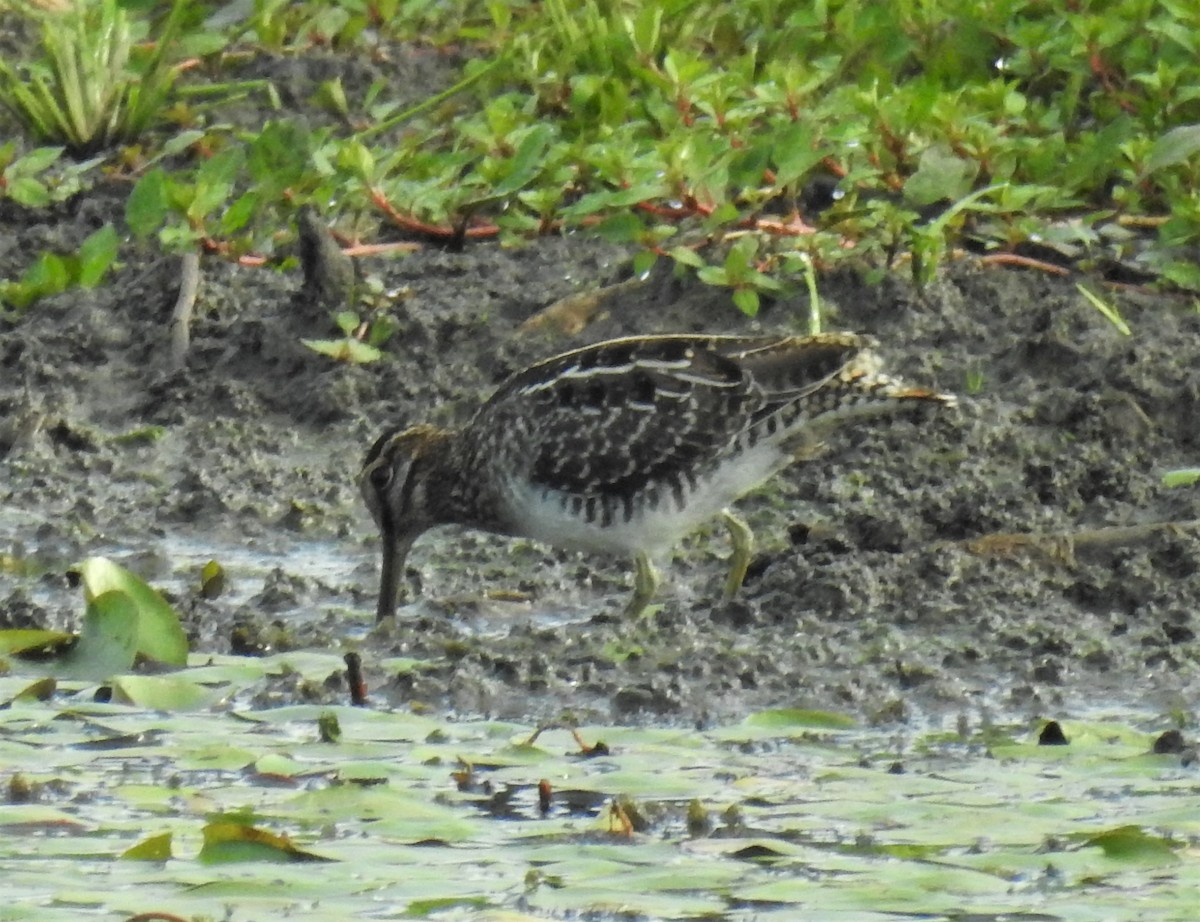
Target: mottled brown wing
{"points": [[787, 368], [615, 416]]}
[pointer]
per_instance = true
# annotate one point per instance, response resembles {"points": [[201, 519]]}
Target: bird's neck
{"points": [[455, 482]]}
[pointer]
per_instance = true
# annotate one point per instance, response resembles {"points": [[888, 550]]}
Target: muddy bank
{"points": [[894, 575]]}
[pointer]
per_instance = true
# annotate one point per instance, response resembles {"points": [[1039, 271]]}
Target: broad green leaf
{"points": [[155, 848], [163, 693], [622, 227], [1184, 477], [27, 191], [1133, 844], [212, 580], [159, 634], [146, 207], [232, 842], [940, 176], [96, 254], [746, 300], [38, 160], [107, 644], [1173, 147], [48, 275], [20, 640], [241, 212], [526, 161], [346, 350], [687, 256], [798, 717]]}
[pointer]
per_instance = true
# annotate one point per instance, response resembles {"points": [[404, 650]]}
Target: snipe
{"points": [[625, 446]]}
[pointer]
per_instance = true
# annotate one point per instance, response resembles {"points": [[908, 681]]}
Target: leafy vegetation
{"points": [[360, 342], [38, 178], [53, 273], [740, 141], [86, 91]]}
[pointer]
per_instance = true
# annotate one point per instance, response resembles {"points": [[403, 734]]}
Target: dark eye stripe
{"points": [[410, 482], [376, 450]]}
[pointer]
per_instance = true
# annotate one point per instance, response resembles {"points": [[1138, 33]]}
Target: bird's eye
{"points": [[381, 476]]}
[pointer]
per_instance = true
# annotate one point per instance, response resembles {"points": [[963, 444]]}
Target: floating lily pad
{"points": [[159, 635]]}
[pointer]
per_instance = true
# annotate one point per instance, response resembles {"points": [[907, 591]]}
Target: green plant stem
{"points": [[433, 101]]}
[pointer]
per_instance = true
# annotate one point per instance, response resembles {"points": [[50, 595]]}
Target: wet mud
{"points": [[1019, 555]]}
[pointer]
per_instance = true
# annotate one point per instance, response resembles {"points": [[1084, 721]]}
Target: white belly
{"points": [[651, 528]]}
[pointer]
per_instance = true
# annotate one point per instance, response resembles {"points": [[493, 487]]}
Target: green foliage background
{"points": [[699, 132]]}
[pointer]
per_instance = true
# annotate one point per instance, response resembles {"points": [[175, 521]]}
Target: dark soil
{"points": [[1013, 554]]}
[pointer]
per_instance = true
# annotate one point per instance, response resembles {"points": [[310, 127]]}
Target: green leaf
{"points": [[356, 157], [162, 693], [1184, 477], [222, 169], [1176, 146], [1134, 845], [799, 717], [37, 160], [212, 580], [687, 256], [21, 640], [49, 275], [526, 161], [233, 842], [180, 142], [155, 848], [146, 207], [346, 350], [107, 643], [29, 192], [214, 183], [794, 153], [940, 176], [96, 254], [42, 689], [240, 213], [747, 301], [621, 227], [643, 262], [159, 635]]}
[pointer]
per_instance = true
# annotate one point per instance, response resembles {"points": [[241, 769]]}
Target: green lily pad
{"points": [[159, 635], [25, 640], [107, 642], [163, 693], [798, 717], [232, 842]]}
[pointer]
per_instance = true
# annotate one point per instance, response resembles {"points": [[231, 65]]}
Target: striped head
{"points": [[394, 482]]}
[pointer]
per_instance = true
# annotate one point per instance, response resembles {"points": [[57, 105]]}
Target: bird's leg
{"points": [[743, 545], [645, 584]]}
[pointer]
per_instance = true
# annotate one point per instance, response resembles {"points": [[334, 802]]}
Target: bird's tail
{"points": [[858, 390]]}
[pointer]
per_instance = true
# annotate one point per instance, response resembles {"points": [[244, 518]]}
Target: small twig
{"points": [[431, 231], [1027, 262], [1061, 547], [381, 249], [355, 679], [181, 316]]}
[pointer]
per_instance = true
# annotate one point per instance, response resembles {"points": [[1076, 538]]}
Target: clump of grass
{"points": [[86, 92]]}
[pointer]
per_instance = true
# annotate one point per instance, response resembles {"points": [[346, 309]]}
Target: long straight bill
{"points": [[395, 553]]}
